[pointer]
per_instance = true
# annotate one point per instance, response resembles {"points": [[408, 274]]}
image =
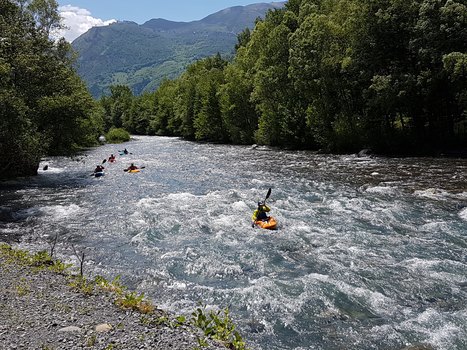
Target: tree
{"points": [[45, 14], [46, 108], [238, 112], [208, 121], [119, 108], [163, 122]]}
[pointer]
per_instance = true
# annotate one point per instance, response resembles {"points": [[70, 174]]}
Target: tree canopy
{"points": [[335, 75], [45, 108]]}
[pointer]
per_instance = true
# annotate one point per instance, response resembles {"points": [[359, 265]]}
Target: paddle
{"points": [[267, 196]]}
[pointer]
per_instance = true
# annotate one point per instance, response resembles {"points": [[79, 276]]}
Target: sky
{"points": [[81, 15]]}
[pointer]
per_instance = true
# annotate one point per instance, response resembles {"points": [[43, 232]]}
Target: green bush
{"points": [[117, 135], [219, 326]]}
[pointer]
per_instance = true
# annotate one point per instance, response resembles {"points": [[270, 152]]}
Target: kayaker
{"points": [[260, 213], [99, 169], [132, 167], [125, 151], [112, 158]]}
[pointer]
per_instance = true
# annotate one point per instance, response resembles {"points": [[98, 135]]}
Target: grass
{"points": [[136, 302], [39, 260], [23, 287]]}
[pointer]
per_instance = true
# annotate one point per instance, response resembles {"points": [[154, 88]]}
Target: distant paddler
{"points": [[133, 168]]}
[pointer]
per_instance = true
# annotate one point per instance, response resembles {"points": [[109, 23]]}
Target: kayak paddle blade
{"points": [[269, 193]]}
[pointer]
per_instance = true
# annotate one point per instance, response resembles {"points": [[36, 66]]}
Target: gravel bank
{"points": [[39, 310]]}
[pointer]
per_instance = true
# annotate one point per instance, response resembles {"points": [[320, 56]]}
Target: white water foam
{"points": [[433, 193], [57, 212], [435, 226], [437, 331], [51, 170], [61, 211], [463, 214], [381, 190]]}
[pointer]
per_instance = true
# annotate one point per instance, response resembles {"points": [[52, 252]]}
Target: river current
{"points": [[370, 252]]}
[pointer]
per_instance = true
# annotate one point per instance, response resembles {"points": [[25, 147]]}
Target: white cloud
{"points": [[78, 21]]}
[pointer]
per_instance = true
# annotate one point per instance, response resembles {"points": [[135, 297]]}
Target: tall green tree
{"points": [[163, 122], [238, 111], [46, 109], [119, 108], [209, 122]]}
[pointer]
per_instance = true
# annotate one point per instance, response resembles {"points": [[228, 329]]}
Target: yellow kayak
{"points": [[134, 171], [269, 224]]}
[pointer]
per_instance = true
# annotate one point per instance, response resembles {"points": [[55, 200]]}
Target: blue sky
{"points": [[80, 15]]}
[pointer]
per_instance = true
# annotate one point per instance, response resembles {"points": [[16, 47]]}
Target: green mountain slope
{"points": [[141, 56]]}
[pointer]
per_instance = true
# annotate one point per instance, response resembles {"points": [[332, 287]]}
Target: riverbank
{"points": [[42, 306]]}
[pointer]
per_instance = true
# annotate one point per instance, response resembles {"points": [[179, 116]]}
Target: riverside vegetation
{"points": [[206, 328], [45, 108], [330, 75]]}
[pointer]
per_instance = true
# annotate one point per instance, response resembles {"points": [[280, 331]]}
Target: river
{"points": [[370, 252]]}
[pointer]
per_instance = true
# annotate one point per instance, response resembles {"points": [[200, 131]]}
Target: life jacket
{"points": [[260, 213]]}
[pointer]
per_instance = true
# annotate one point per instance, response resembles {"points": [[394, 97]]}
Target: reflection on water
{"points": [[370, 253]]}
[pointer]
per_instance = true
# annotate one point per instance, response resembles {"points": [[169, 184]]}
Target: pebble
{"points": [[70, 329], [104, 327], [42, 320]]}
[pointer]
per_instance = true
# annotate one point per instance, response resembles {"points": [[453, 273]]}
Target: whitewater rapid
{"points": [[370, 253]]}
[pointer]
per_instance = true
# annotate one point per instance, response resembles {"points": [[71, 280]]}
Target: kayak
{"points": [[112, 160], [99, 174], [269, 224], [134, 171]]}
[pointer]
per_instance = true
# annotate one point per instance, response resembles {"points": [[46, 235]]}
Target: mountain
{"points": [[141, 56]]}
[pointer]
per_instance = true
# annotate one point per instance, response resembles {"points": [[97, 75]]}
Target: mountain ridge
{"points": [[143, 55]]}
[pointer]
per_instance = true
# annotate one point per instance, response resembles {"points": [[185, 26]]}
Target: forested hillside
{"points": [[141, 56], [333, 75], [45, 108]]}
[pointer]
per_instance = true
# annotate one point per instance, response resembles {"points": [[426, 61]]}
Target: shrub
{"points": [[117, 135], [219, 326]]}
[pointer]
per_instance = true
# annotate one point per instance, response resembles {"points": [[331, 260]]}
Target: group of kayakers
{"points": [[259, 218], [99, 170]]}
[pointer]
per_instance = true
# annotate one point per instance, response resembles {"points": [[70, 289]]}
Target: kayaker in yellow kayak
{"points": [[260, 213], [132, 167]]}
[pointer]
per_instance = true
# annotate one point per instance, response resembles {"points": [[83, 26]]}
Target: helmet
{"points": [[260, 203]]}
